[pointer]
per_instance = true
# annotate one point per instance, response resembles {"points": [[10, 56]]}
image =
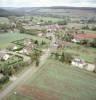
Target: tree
{"points": [[86, 27], [37, 62], [22, 30], [4, 79], [18, 25], [12, 70], [56, 56], [35, 56], [64, 22], [43, 42], [94, 42], [62, 59], [31, 19], [49, 22], [68, 37], [4, 27], [36, 42], [93, 28], [84, 42], [41, 20], [66, 57]]}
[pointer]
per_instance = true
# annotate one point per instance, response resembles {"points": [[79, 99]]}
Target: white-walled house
{"points": [[75, 40], [78, 63], [4, 56], [23, 51], [27, 42], [83, 65], [15, 47], [90, 67], [55, 45], [27, 49], [40, 34]]}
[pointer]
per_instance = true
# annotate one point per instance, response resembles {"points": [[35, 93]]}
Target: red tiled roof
{"points": [[85, 36]]}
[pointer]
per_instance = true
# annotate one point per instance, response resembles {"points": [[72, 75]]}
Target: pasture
{"points": [[7, 38], [57, 81], [88, 54], [4, 20], [39, 18]]}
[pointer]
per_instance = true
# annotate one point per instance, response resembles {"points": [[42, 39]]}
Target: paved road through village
{"points": [[28, 73]]}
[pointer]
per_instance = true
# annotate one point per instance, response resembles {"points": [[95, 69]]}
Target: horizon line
{"points": [[45, 6]]}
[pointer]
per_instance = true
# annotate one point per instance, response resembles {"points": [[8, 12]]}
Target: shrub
{"points": [[4, 79]]}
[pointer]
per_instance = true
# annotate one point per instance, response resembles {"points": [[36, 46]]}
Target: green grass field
{"points": [[57, 81], [7, 38], [4, 20], [38, 18], [87, 54]]}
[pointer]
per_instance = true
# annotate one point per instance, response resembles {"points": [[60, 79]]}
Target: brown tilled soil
{"points": [[37, 93]]}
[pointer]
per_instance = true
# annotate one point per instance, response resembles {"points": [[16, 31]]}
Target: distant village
{"points": [[20, 52]]}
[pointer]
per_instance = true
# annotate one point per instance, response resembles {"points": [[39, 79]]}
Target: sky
{"points": [[47, 3]]}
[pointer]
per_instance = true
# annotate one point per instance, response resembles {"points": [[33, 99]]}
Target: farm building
{"points": [[78, 63], [15, 47], [75, 40], [4, 56], [27, 49], [83, 65], [90, 67], [27, 42], [40, 34]]}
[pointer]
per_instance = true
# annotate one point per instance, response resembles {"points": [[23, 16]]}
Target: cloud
{"points": [[21, 3]]}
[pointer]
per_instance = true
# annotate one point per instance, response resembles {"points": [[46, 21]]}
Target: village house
{"points": [[40, 34], [27, 42], [62, 44], [90, 67], [4, 56], [55, 45], [78, 63], [13, 25], [27, 49], [49, 34], [12, 47], [83, 65], [15, 47], [75, 40], [28, 46]]}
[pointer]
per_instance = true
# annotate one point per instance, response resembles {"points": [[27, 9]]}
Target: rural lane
{"points": [[28, 73], [25, 76]]}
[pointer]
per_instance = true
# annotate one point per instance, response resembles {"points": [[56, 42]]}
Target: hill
{"points": [[59, 11]]}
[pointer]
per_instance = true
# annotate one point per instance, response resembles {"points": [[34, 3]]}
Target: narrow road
{"points": [[27, 74]]}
